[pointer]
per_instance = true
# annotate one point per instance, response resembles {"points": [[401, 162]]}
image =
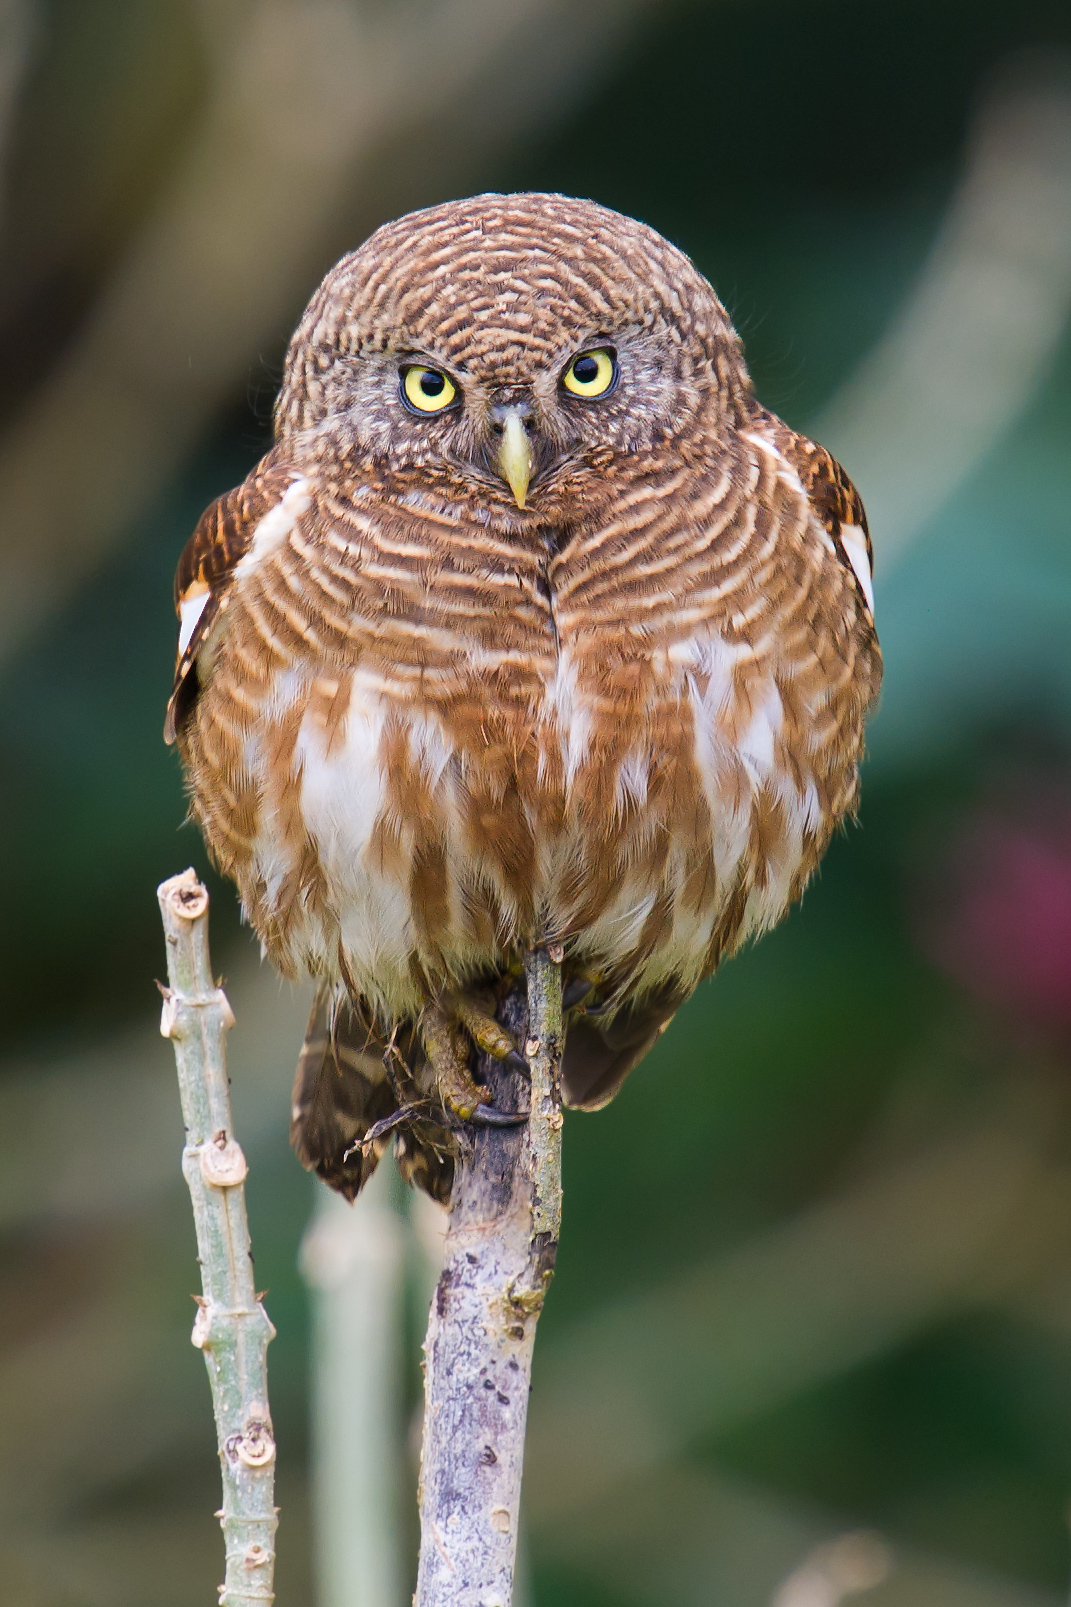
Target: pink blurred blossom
{"points": [[1003, 924]]}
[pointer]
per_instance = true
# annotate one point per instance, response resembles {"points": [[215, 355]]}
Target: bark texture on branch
{"points": [[499, 1259], [231, 1328]]}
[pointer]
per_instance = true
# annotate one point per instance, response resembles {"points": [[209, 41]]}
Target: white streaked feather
{"points": [[275, 525], [854, 543], [569, 713], [756, 744], [190, 611]]}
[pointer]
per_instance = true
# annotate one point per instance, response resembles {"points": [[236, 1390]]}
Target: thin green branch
{"points": [[232, 1327]]}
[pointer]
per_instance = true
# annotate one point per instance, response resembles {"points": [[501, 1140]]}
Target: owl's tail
{"points": [[343, 1094]]}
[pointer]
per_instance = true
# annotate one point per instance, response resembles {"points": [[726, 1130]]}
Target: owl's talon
{"points": [[516, 1062], [576, 991], [464, 1097], [491, 1116]]}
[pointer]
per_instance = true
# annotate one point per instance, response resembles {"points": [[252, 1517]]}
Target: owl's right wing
{"points": [[597, 1058], [225, 534]]}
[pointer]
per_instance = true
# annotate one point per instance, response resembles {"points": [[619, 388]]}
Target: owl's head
{"points": [[513, 343]]}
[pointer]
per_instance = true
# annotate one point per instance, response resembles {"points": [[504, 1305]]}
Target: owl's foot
{"points": [[446, 1035], [487, 1035], [448, 1056]]}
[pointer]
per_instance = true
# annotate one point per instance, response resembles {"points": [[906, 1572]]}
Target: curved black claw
{"points": [[597, 1010], [489, 1116], [516, 1061], [575, 992]]}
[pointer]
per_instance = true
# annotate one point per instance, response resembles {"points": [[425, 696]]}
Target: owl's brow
{"points": [[421, 354]]}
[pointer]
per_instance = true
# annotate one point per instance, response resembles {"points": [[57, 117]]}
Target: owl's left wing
{"points": [[807, 488], [597, 1058], [832, 497], [224, 535]]}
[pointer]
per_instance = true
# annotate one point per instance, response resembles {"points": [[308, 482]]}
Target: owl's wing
{"points": [[224, 535], [597, 1059], [833, 498], [597, 1056], [341, 1089]]}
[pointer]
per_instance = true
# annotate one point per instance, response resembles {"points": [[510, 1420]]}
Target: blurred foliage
{"points": [[110, 97]]}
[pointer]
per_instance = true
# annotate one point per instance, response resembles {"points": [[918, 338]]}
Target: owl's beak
{"points": [[515, 456]]}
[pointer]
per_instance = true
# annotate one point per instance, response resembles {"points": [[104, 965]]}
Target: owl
{"points": [[533, 626]]}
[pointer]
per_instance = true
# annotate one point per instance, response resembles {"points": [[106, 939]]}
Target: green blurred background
{"points": [[811, 1331]]}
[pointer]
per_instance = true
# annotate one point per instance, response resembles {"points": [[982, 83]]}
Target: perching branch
{"points": [[543, 1048], [499, 1259], [231, 1327]]}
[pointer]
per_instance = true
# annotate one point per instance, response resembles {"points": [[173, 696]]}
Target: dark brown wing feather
{"points": [[342, 1088], [597, 1059], [829, 489], [222, 537]]}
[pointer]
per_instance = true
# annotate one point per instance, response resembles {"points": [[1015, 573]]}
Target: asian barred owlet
{"points": [[532, 626]]}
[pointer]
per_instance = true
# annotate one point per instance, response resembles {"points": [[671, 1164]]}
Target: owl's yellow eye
{"points": [[429, 390], [590, 374]]}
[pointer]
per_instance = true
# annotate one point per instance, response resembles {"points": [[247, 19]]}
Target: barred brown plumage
{"points": [[428, 718]]}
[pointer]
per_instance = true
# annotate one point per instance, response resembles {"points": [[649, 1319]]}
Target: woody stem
{"points": [[231, 1328], [500, 1249]]}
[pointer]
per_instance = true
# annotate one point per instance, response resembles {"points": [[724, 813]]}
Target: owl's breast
{"points": [[649, 815], [625, 751]]}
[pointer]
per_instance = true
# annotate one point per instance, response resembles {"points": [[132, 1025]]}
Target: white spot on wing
{"points": [[190, 611], [854, 543]]}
